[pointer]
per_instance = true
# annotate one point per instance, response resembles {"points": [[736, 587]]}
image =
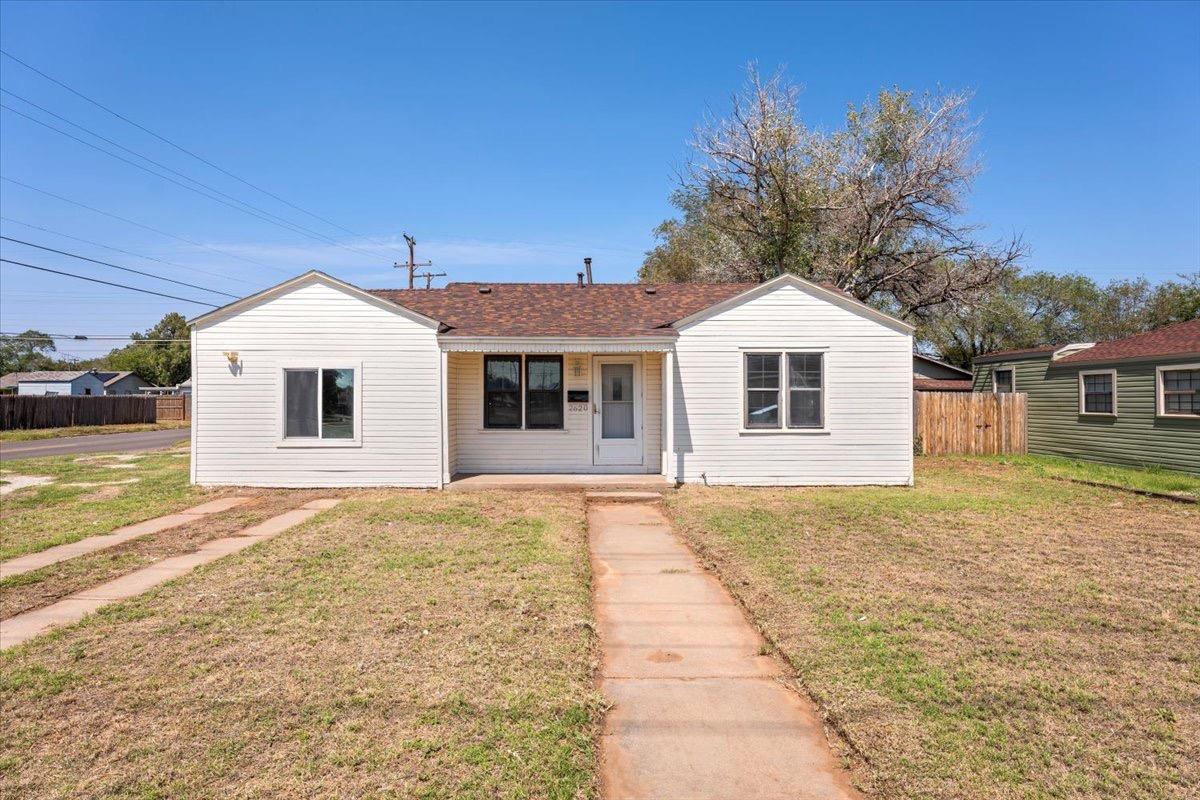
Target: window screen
{"points": [[804, 390], [502, 392], [1098, 394], [762, 390], [300, 403], [543, 392], [1181, 391]]}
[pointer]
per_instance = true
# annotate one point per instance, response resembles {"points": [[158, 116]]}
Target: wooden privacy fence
{"points": [[978, 423], [40, 411], [176, 407]]}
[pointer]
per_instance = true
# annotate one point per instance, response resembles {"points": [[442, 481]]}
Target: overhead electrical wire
{"points": [[141, 225], [123, 252], [107, 283], [178, 147], [114, 266]]}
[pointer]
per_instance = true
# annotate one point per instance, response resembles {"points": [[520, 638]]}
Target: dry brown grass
{"points": [[992, 633], [405, 644]]}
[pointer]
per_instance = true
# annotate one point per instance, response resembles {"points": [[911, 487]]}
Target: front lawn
{"points": [[405, 644], [990, 633], [1151, 479], [91, 494]]}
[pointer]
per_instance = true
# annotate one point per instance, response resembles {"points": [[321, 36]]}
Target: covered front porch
{"points": [[569, 414]]}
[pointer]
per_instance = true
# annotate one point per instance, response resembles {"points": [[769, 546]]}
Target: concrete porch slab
{"points": [[573, 482]]}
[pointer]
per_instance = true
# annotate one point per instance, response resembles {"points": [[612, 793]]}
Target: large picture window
{"points": [[318, 404], [543, 391], [1179, 391], [502, 392], [784, 390], [1098, 392]]}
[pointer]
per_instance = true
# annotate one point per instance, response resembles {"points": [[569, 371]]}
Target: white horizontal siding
{"points": [[237, 411], [868, 385], [532, 451]]}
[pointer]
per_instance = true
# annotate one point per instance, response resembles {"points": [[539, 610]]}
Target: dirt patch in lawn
{"points": [[20, 593], [404, 644], [990, 633]]}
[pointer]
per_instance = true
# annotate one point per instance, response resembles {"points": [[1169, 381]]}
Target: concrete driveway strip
{"points": [[53, 555], [101, 443], [23, 627], [697, 710]]}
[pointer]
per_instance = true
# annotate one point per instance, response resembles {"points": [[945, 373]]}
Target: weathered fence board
{"points": [[978, 423], [39, 411], [177, 407]]}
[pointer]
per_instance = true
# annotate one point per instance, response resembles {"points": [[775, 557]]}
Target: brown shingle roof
{"points": [[941, 385], [996, 355], [562, 309], [1182, 338]]}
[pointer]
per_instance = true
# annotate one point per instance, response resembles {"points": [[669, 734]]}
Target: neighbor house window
{"points": [[318, 404], [784, 390], [1003, 381], [1098, 392], [762, 390], [1179, 391], [805, 387], [543, 391], [502, 391]]}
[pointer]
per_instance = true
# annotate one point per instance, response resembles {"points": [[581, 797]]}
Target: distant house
{"points": [[932, 375], [1129, 401], [163, 391], [121, 382], [53, 382]]}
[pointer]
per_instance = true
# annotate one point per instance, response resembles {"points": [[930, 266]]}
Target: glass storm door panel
{"points": [[617, 411]]}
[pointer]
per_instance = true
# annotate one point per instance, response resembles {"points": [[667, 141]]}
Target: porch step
{"points": [[624, 497]]}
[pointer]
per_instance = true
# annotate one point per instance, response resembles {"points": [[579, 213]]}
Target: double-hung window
{"points": [[319, 404], [1098, 392], [784, 389], [523, 392], [1003, 381], [1179, 391]]}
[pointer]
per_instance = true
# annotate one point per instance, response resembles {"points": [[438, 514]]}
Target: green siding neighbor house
{"points": [[1133, 401]]}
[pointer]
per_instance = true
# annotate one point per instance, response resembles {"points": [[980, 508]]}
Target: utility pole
{"points": [[412, 260]]}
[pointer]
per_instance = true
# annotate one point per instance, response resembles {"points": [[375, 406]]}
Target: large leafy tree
{"points": [[161, 355], [874, 208], [27, 352]]}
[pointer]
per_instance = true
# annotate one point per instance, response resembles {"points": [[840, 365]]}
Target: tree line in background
{"points": [[874, 208], [156, 354]]}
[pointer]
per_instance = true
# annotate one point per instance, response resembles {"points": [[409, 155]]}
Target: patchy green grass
{"points": [[405, 644], [1146, 479], [38, 517], [86, 430], [990, 633]]}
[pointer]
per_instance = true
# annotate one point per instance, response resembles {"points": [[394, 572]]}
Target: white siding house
{"points": [[319, 383], [59, 383]]}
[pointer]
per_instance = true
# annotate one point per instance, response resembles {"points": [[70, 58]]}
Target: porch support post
{"points": [[668, 415], [444, 407]]}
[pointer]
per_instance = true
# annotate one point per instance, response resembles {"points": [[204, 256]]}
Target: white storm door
{"points": [[617, 410]]}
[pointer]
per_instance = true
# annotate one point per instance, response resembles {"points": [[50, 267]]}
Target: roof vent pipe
{"points": [[587, 265], [579, 279]]}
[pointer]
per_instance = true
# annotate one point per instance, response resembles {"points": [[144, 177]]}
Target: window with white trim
{"points": [[783, 390], [1098, 392], [523, 392], [1004, 381], [1179, 391], [318, 403]]}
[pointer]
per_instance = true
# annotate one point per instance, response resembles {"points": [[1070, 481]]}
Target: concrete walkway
{"points": [[697, 711], [53, 555], [22, 627]]}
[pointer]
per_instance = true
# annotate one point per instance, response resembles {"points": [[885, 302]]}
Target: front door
{"points": [[617, 410]]}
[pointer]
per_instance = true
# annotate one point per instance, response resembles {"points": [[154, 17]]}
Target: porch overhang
{"points": [[557, 344]]}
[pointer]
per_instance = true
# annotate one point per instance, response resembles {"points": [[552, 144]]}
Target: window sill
{"points": [[783, 431], [1177, 416], [521, 430], [317, 444], [1112, 415]]}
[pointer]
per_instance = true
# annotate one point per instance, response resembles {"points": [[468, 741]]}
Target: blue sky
{"points": [[513, 140]]}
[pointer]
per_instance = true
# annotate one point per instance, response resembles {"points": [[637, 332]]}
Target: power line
{"points": [[140, 225], [115, 266], [123, 252], [178, 147], [252, 210], [107, 283]]}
